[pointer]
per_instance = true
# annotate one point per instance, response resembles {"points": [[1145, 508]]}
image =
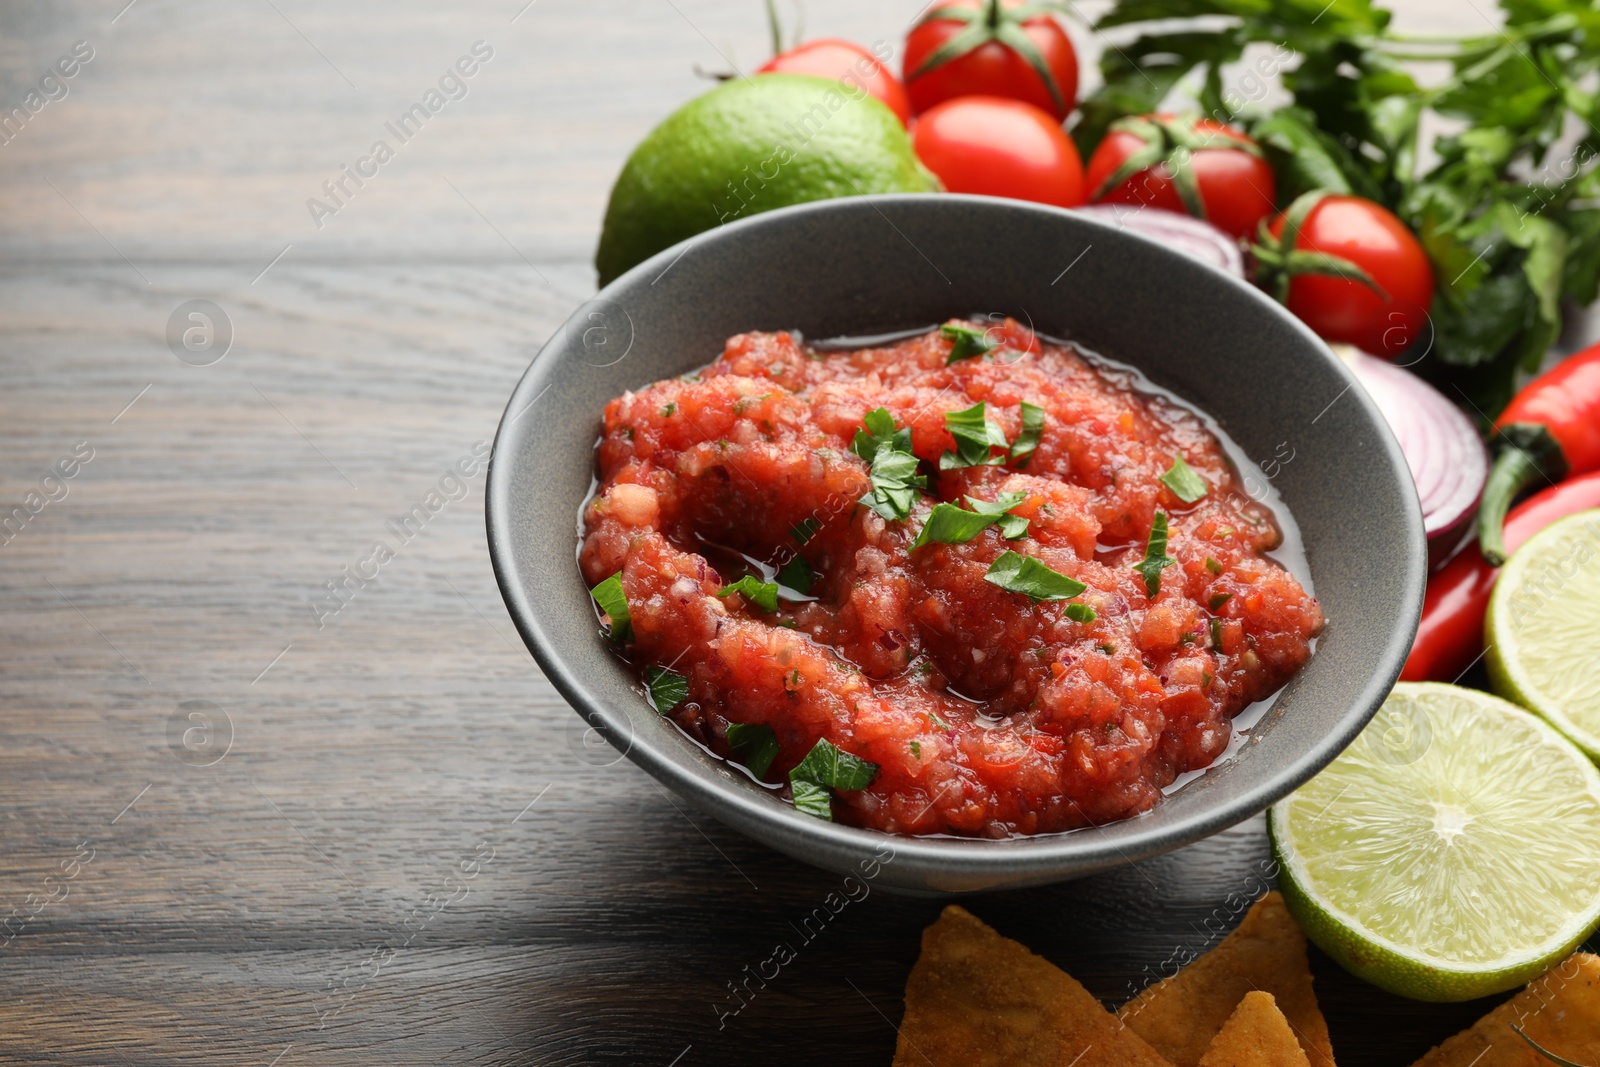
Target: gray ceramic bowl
{"points": [[860, 266]]}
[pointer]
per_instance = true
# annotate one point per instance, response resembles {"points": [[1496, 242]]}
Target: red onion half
{"points": [[1442, 447], [1194, 236]]}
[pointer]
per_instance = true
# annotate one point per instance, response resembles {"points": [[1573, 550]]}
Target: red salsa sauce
{"points": [[983, 711]]}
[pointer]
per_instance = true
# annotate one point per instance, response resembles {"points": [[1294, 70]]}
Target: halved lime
{"points": [[1452, 851], [1543, 628]]}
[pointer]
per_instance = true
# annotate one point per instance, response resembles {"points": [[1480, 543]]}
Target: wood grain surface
{"points": [[237, 829]]}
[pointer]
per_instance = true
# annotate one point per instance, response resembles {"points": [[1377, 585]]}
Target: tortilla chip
{"points": [[1255, 1035], [1561, 1011], [1180, 1015], [976, 999]]}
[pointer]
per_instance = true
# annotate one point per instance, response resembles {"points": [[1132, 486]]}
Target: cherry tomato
{"points": [[1344, 309], [999, 147], [1235, 185], [990, 66], [829, 57]]}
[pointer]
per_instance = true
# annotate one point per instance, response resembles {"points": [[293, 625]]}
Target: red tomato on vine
{"points": [[991, 48], [1350, 270], [1186, 165]]}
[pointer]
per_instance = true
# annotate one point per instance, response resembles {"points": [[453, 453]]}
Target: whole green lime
{"points": [[747, 146]]}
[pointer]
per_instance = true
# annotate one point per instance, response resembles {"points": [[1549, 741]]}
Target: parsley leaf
{"points": [[1028, 439], [1185, 484], [975, 435], [1013, 527], [969, 341], [951, 524], [828, 764], [879, 431], [999, 506], [1017, 573], [614, 602], [896, 485], [1080, 613], [798, 575], [668, 688], [895, 481], [825, 768], [763, 595], [754, 745], [1155, 556], [811, 798]]}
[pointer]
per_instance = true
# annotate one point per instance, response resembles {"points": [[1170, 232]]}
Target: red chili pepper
{"points": [[1451, 633], [1551, 430]]}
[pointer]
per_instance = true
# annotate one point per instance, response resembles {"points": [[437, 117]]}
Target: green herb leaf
{"points": [[1028, 439], [895, 481], [1080, 613], [1155, 556], [668, 688], [763, 595], [998, 506], [798, 575], [879, 430], [952, 525], [975, 435], [1219, 599], [1216, 633], [754, 745], [614, 602], [1213, 565], [896, 485], [811, 798], [825, 768], [1017, 573], [828, 764], [1013, 527], [916, 749], [1185, 484], [805, 530], [969, 341]]}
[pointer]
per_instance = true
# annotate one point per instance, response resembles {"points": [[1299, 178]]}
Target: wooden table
{"points": [[237, 828]]}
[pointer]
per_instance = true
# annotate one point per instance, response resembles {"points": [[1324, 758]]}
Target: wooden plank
{"points": [[287, 902]]}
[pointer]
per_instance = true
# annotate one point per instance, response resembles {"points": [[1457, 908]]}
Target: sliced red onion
{"points": [[1183, 232], [1442, 447]]}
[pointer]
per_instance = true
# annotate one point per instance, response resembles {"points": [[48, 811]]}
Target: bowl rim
{"points": [[1022, 860]]}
